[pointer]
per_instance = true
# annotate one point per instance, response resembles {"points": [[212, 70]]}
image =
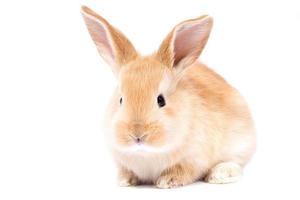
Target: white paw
{"points": [[166, 182], [125, 182], [227, 172]]}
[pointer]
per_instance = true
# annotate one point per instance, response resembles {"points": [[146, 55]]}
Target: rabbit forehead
{"points": [[145, 75]]}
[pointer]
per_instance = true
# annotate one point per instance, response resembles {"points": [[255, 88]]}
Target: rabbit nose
{"points": [[138, 139]]}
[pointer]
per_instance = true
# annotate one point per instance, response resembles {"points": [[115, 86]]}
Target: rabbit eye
{"points": [[161, 101], [121, 100]]}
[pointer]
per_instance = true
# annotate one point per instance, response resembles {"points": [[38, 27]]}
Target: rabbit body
{"points": [[172, 120]]}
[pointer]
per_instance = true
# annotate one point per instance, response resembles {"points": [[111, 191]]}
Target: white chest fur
{"points": [[147, 167]]}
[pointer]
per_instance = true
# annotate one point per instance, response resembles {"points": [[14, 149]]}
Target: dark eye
{"points": [[161, 101], [121, 100]]}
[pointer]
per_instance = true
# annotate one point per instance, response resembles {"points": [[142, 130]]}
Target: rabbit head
{"points": [[149, 112]]}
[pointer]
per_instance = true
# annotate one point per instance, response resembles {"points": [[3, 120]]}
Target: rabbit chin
{"points": [[144, 149]]}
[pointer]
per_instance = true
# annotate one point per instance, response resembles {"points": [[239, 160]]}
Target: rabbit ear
{"points": [[185, 42], [112, 45]]}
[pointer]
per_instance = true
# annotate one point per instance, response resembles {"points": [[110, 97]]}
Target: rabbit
{"points": [[172, 121]]}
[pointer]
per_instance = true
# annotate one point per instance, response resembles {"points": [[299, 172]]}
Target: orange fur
{"points": [[204, 130]]}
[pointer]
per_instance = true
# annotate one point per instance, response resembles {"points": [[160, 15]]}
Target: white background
{"points": [[54, 88]]}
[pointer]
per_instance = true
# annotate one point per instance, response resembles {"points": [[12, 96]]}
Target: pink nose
{"points": [[138, 139]]}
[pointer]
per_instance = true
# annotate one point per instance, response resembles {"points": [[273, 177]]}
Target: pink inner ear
{"points": [[188, 41], [99, 36]]}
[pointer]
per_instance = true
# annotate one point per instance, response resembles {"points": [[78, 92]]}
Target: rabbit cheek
{"points": [[169, 112], [156, 139]]}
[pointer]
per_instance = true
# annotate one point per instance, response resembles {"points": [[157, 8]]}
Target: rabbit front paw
{"points": [[169, 181], [176, 176], [127, 178]]}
